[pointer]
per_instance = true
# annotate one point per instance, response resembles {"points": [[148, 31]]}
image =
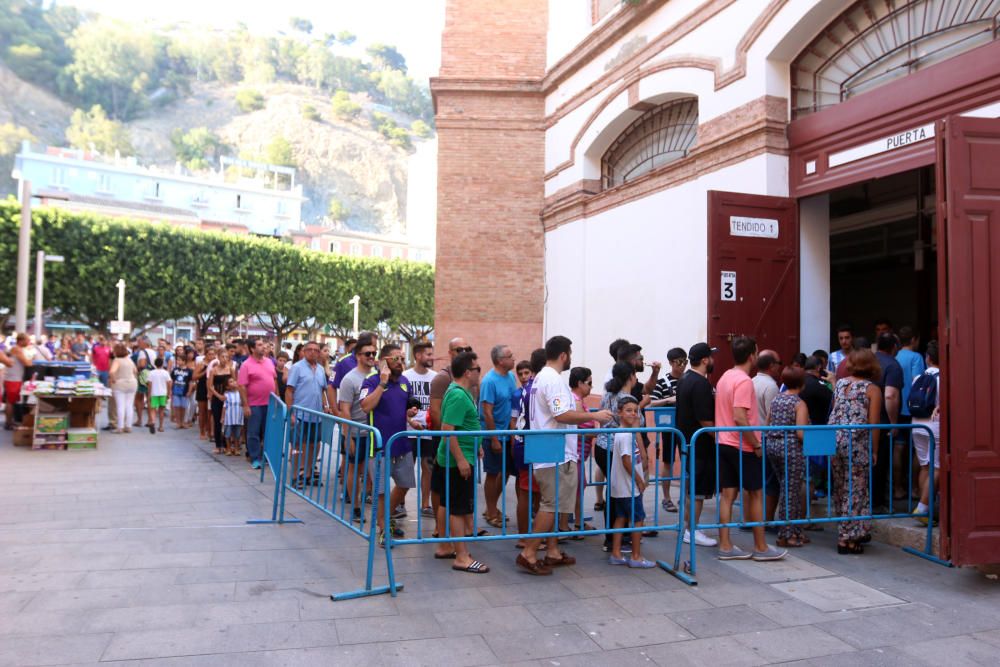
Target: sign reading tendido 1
{"points": [[764, 228]]}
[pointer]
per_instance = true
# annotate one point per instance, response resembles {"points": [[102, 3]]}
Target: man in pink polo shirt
{"points": [[740, 453], [257, 381]]}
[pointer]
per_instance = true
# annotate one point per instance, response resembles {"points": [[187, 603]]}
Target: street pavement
{"points": [[139, 552]]}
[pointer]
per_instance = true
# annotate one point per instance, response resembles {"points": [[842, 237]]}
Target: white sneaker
{"points": [[700, 538]]}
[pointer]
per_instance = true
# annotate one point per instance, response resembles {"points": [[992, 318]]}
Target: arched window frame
{"points": [[661, 135]]}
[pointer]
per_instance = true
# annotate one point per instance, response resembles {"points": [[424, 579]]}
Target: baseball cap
{"points": [[699, 351]]}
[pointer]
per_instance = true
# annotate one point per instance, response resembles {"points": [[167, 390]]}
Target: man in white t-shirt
{"points": [[420, 377], [554, 407]]}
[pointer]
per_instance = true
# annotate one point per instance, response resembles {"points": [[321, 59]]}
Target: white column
{"points": [[814, 269]]}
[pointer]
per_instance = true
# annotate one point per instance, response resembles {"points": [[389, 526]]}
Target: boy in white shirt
{"points": [[159, 388], [627, 485]]}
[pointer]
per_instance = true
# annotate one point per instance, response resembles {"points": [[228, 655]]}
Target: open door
{"points": [[753, 273], [969, 291]]}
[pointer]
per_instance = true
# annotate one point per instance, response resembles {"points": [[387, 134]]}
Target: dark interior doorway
{"points": [[883, 254]]}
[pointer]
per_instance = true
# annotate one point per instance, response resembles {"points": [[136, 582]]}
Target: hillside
{"points": [[336, 158]]}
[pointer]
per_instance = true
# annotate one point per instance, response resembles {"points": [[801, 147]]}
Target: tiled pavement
{"points": [[138, 552]]}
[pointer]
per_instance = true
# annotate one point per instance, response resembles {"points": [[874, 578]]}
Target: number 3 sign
{"points": [[728, 286]]}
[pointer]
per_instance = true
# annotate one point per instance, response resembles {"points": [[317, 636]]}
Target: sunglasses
{"points": [[460, 350], [368, 354], [476, 368]]}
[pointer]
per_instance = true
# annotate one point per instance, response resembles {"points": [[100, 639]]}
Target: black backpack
{"points": [[923, 395]]}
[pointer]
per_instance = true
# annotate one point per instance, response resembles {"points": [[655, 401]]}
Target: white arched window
{"points": [[356, 250], [660, 136], [376, 251], [335, 246], [873, 43]]}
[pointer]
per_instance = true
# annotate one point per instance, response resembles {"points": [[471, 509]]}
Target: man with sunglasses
{"points": [[307, 387], [349, 402], [384, 396]]}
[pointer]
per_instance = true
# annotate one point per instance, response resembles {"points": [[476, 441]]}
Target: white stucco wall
{"points": [[639, 271]]}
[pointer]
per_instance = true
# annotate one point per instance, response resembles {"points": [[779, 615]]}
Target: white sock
{"points": [[921, 508]]}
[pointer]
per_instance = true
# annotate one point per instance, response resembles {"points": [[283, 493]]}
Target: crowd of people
{"points": [[225, 388]]}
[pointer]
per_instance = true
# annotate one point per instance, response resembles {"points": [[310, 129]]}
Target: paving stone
{"points": [[659, 602], [537, 591], [387, 628], [540, 643], [157, 561], [447, 600], [448, 652], [627, 633], [724, 594], [482, 621], [577, 611], [954, 651], [593, 587], [322, 607], [82, 599], [12, 602], [792, 643], [715, 651], [232, 639], [888, 656], [791, 568], [192, 615], [722, 621], [837, 594], [793, 612], [54, 650]]}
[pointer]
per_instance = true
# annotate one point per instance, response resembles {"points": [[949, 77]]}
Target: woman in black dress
{"points": [[201, 394], [219, 375]]}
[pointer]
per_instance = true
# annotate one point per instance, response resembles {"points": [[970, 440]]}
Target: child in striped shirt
{"points": [[232, 418]]}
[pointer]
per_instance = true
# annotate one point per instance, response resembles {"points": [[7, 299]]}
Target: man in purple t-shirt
{"points": [[257, 380], [345, 364], [384, 397]]}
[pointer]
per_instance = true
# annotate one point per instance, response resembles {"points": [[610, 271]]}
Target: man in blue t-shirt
{"points": [[497, 391], [912, 364], [891, 384]]}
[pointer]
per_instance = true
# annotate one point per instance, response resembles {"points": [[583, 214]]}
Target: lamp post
{"points": [[356, 301], [40, 260]]}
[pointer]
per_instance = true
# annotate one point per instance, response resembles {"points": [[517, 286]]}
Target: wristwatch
{"points": [[384, 385]]}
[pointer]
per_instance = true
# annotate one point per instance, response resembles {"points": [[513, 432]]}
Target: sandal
{"points": [[789, 543], [496, 522], [538, 568], [557, 562], [669, 505], [850, 548], [475, 567]]}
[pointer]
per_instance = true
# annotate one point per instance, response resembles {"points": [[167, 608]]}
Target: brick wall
{"points": [[490, 262]]}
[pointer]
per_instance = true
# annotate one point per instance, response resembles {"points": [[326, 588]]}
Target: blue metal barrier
{"points": [[819, 440], [275, 441], [540, 447]]}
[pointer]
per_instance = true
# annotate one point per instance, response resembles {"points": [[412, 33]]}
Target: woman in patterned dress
{"points": [[784, 449], [857, 400]]}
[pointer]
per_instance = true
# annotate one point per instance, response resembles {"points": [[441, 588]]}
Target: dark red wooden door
{"points": [[969, 284], [753, 273]]}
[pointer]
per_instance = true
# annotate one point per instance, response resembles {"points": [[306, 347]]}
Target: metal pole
{"points": [[121, 299], [39, 277], [23, 260], [356, 301]]}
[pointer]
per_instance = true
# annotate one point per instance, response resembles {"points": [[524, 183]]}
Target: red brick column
{"points": [[490, 261]]}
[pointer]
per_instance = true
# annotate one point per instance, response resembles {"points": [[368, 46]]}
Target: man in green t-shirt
{"points": [[453, 476]]}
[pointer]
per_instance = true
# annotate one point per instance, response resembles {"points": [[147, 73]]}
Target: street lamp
{"points": [[356, 301], [40, 260]]}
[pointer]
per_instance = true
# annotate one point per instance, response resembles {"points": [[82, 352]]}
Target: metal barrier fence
{"points": [[275, 440], [539, 447], [849, 451]]}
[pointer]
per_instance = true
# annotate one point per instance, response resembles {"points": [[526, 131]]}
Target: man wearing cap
{"points": [[696, 409]]}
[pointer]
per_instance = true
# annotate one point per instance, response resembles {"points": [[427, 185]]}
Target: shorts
{"points": [[522, 481], [425, 449], [156, 402], [730, 459], [181, 402], [233, 431], [12, 392], [361, 448], [623, 507], [460, 491], [772, 485], [568, 481], [493, 462], [704, 469], [401, 471], [669, 448], [922, 444]]}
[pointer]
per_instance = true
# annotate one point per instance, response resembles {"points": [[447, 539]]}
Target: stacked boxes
{"points": [[81, 438]]}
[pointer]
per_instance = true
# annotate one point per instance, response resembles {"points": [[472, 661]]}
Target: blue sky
{"points": [[413, 26]]}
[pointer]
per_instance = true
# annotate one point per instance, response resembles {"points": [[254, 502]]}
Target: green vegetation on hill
{"points": [[126, 69]]}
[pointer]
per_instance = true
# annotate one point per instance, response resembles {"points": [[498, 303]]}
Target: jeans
{"points": [[220, 438], [255, 431]]}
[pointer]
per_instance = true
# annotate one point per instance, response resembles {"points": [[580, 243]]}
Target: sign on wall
{"points": [[728, 289], [763, 228]]}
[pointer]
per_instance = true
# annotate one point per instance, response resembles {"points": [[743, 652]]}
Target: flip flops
{"points": [[475, 567]]}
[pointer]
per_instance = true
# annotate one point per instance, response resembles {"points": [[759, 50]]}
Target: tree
{"points": [[386, 57], [111, 65], [315, 67], [301, 24], [33, 40], [248, 99], [309, 113], [197, 148], [421, 129], [343, 106], [11, 138], [346, 37], [279, 152], [337, 210], [93, 130]]}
